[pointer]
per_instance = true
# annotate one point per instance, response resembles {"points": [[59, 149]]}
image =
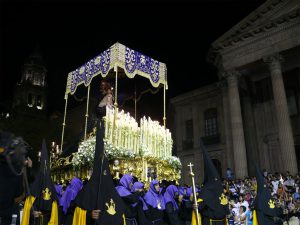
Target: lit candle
{"points": [[146, 171], [165, 149], [141, 131], [57, 149], [145, 133], [111, 126]]}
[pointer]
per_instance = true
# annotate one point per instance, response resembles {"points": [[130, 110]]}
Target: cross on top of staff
{"points": [[191, 169]]}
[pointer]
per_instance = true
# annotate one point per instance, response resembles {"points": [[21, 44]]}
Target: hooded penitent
{"points": [[99, 192], [169, 195], [43, 195], [124, 188], [214, 202], [154, 198], [265, 209], [139, 185]]}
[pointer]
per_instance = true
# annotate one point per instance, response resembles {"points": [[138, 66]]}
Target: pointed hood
{"points": [[210, 172], [263, 204], [212, 190], [43, 188], [43, 195], [99, 192]]}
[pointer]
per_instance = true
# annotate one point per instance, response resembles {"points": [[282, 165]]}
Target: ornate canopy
{"points": [[118, 55]]}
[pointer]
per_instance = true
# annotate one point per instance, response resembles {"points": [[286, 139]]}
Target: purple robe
{"points": [[70, 193], [170, 195], [139, 185], [154, 198], [124, 187]]}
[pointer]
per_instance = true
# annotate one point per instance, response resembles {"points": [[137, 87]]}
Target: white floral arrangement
{"points": [[85, 154], [144, 151], [86, 150], [117, 152], [173, 161]]}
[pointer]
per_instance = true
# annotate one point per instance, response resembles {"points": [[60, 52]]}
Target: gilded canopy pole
{"points": [[64, 123], [165, 125], [194, 192], [87, 111]]}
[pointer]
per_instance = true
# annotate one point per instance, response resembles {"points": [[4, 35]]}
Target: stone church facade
{"points": [[252, 115]]}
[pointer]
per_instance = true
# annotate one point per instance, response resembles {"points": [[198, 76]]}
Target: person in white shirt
{"points": [[243, 202], [275, 186], [241, 218]]}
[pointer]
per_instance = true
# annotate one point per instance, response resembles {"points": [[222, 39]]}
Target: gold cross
{"points": [[191, 169]]}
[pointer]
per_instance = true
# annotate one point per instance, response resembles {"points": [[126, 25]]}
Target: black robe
{"points": [[185, 213], [208, 215], [155, 215], [130, 211], [172, 214]]}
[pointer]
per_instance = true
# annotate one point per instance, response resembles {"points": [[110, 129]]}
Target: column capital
{"points": [[274, 61], [232, 77], [222, 84]]}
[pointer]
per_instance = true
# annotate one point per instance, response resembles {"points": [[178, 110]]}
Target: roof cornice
{"points": [[270, 15]]}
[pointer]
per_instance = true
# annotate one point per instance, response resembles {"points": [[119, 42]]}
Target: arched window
{"points": [[29, 100], [188, 142], [36, 79], [28, 76], [211, 122], [39, 103]]}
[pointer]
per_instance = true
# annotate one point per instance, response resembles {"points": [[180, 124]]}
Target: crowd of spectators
{"points": [[284, 189]]}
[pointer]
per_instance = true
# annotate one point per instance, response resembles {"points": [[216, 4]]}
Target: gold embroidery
{"points": [[46, 194], [271, 204], [200, 200], [111, 208], [223, 199], [158, 204]]}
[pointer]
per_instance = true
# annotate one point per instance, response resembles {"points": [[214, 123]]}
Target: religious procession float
{"points": [[142, 149]]}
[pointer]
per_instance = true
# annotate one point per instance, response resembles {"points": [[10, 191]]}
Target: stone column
{"points": [[286, 138], [238, 139], [250, 134], [227, 126]]}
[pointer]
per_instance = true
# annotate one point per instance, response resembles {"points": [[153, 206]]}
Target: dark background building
{"points": [[251, 115]]}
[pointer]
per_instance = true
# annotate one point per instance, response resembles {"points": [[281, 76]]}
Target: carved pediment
{"points": [[270, 15]]}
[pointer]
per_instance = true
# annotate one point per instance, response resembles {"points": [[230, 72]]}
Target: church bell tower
{"points": [[30, 96]]}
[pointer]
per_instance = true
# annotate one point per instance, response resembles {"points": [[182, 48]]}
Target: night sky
{"points": [[70, 33]]}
